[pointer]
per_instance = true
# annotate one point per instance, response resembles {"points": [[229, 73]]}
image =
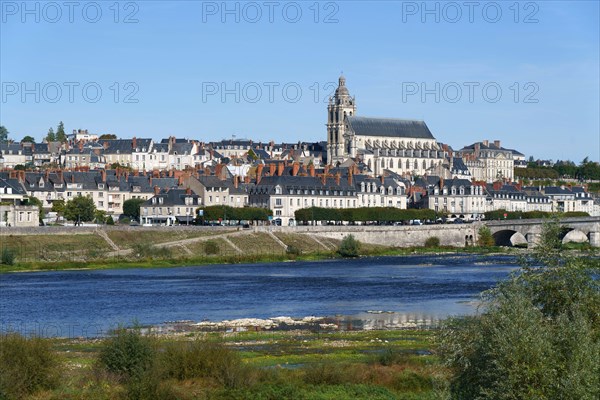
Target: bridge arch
{"points": [[509, 238], [575, 236]]}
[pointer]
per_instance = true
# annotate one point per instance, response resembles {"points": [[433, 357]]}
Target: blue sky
{"points": [[529, 76]]}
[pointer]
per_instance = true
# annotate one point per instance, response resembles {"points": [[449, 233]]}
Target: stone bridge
{"points": [[457, 235], [527, 231]]}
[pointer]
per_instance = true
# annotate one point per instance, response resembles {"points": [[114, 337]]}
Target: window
{"points": [[278, 202]]}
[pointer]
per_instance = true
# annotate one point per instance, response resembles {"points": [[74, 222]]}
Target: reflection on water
{"points": [[366, 293]]}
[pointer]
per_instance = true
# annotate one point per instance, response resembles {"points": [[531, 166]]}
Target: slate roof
{"points": [[14, 184], [402, 128], [267, 184], [459, 165], [172, 197]]}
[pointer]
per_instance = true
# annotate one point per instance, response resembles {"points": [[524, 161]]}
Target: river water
{"points": [[89, 303]]}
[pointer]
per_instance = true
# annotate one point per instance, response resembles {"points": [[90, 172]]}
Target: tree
{"points": [[539, 336], [3, 134], [58, 206], [131, 208], [107, 136], [484, 237], [349, 247], [100, 216], [50, 137], [28, 139], [80, 209], [60, 133]]}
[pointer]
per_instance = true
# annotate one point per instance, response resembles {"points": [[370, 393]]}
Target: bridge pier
{"points": [[532, 240], [595, 239]]}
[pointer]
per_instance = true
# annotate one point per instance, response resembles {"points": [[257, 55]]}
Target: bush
{"points": [[211, 247], [201, 358], [128, 353], [539, 337], [146, 250], [484, 237], [293, 251], [27, 365], [432, 241], [110, 220], [349, 247], [7, 257]]}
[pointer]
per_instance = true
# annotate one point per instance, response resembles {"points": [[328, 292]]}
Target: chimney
{"points": [[324, 179], [338, 177], [247, 179], [486, 142], [60, 175], [477, 149], [80, 145], [236, 181], [272, 168], [156, 190], [103, 175], [441, 183], [134, 142], [72, 177], [150, 180], [105, 145], [280, 168], [259, 170], [181, 180], [497, 143], [327, 169], [350, 176], [311, 170], [382, 179], [295, 168], [46, 174], [497, 185], [188, 191]]}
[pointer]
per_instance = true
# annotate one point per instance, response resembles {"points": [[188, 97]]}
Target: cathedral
{"points": [[405, 147]]}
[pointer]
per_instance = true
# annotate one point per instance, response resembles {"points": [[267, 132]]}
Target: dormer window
{"points": [[160, 200], [154, 200], [277, 189]]}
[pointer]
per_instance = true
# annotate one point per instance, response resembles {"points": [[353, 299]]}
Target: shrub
{"points": [[484, 237], [127, 353], [211, 247], [349, 247], [539, 337], [293, 251], [432, 241], [201, 358], [110, 220], [7, 257], [146, 250], [26, 366]]}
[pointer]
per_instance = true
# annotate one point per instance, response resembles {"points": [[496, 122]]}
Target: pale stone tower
{"points": [[340, 106]]}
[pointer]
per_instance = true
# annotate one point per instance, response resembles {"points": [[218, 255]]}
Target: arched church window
{"points": [[399, 163], [383, 163], [424, 164], [407, 164], [416, 165]]}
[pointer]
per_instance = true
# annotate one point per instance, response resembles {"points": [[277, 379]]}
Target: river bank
{"points": [[296, 364], [127, 248]]}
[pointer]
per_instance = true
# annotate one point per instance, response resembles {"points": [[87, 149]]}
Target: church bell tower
{"points": [[340, 106]]}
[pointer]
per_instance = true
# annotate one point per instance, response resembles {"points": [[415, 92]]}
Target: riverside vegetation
{"points": [[537, 337]]}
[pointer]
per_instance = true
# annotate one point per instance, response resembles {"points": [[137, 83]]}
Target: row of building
{"points": [[283, 187]]}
